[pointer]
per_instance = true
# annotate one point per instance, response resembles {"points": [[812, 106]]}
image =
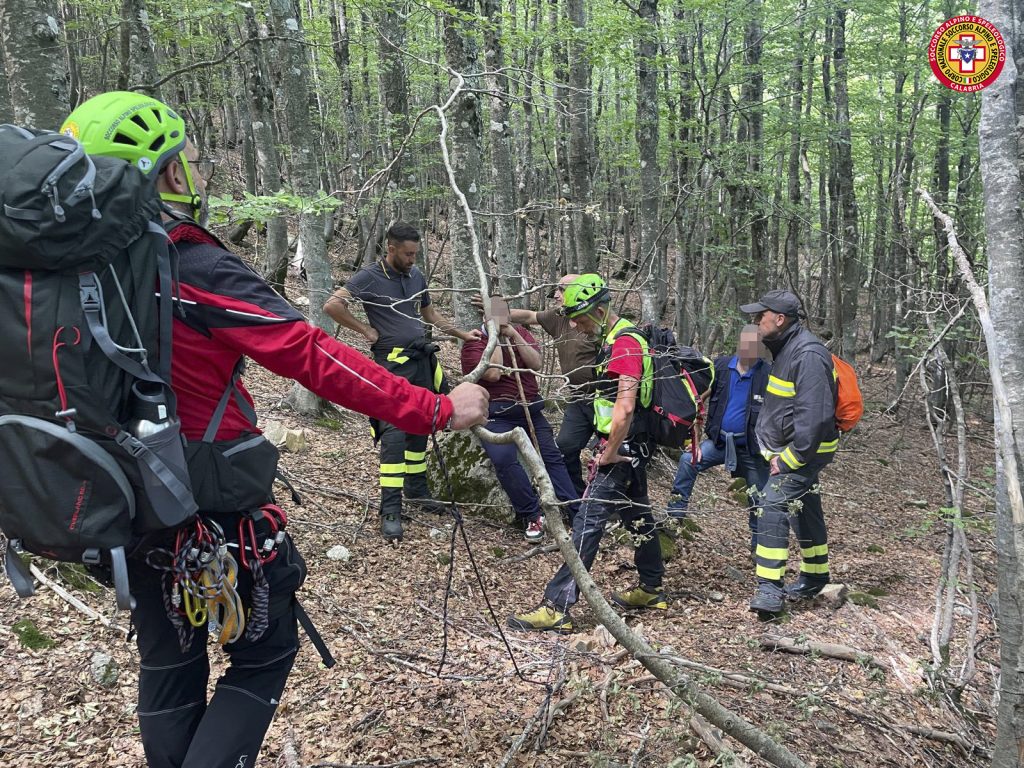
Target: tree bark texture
{"points": [[394, 90], [466, 156], [506, 254], [138, 56], [651, 274], [581, 143], [1001, 177], [36, 70]]}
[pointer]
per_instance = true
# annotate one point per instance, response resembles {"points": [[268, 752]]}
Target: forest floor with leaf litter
{"points": [[381, 613]]}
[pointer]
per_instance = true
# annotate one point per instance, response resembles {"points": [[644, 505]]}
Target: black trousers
{"points": [[179, 727], [619, 487], [573, 436]]}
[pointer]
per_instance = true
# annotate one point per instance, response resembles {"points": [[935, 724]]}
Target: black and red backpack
{"points": [[90, 446]]}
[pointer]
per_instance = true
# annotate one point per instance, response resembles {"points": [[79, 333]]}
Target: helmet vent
{"points": [[157, 143], [120, 138], [139, 122]]}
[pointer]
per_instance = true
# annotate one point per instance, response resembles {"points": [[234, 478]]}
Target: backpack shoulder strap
{"points": [[222, 404]]}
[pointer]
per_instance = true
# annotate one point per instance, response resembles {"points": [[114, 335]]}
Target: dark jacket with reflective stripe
{"points": [[798, 420]]}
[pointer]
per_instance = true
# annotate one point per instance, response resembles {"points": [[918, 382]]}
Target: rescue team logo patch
{"points": [[967, 53]]}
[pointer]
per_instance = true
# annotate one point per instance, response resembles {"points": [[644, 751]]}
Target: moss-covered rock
{"points": [[471, 475]]}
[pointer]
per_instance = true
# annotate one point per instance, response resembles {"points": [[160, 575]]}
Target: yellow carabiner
{"points": [[195, 609]]}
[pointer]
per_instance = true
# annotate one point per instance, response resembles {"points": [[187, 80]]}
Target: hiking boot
{"points": [[546, 618], [767, 599], [428, 504], [641, 597], [534, 530], [806, 587], [391, 526]]}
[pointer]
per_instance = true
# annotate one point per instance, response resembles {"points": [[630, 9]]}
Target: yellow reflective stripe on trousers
{"points": [[415, 469], [819, 551], [438, 377], [790, 458], [772, 553], [387, 481], [829, 446], [781, 387], [415, 455], [396, 356], [814, 568], [775, 574], [392, 469]]}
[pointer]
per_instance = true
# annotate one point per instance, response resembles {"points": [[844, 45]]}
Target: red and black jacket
{"points": [[224, 310]]}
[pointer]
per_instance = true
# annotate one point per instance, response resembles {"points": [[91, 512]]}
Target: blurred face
{"points": [[402, 255], [749, 347]]}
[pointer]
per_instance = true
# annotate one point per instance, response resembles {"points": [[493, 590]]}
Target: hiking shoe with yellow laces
{"points": [[546, 618], [641, 597]]}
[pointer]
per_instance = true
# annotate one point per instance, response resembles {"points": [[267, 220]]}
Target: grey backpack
{"points": [[90, 445]]}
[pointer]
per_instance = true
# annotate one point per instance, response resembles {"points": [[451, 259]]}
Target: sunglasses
{"points": [[203, 167]]}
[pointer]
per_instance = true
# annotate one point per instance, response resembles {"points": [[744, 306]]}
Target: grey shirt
{"points": [[392, 302]]}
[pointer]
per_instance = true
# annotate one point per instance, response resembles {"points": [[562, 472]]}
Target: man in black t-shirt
{"points": [[394, 295]]}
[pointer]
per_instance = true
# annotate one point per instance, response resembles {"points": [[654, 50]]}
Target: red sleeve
{"points": [[627, 358], [340, 374], [472, 351], [528, 337]]}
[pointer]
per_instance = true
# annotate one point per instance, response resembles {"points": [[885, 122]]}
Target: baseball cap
{"points": [[782, 302]]}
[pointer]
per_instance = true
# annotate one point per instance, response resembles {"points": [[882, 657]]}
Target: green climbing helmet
{"points": [[136, 128], [583, 294]]}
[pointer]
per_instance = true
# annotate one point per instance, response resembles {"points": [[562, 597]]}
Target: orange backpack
{"points": [[849, 402]]}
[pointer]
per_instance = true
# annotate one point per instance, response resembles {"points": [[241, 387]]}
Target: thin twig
{"points": [[73, 601]]}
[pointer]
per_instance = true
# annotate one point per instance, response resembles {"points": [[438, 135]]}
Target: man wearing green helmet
{"points": [[618, 478], [224, 312], [151, 136]]}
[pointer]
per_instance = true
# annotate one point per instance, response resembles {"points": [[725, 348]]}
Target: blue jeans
{"points": [[749, 466], [504, 417]]}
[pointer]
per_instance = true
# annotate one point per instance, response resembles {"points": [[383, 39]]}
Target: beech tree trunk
{"points": [[260, 95], [506, 255], [652, 283], [464, 141], [6, 108], [581, 144], [1000, 143], [394, 90], [36, 71], [305, 176], [138, 56]]}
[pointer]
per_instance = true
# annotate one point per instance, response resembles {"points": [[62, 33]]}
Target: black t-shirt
{"points": [[392, 302]]}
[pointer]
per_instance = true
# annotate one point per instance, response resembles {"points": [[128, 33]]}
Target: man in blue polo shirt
{"points": [[736, 400], [398, 308]]}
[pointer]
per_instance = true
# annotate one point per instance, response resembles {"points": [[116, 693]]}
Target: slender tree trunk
{"points": [[751, 136], [652, 277], [6, 107], [394, 91], [464, 141], [138, 55], [1000, 145], [507, 256], [794, 225], [581, 145], [36, 70], [260, 94], [846, 226], [304, 174]]}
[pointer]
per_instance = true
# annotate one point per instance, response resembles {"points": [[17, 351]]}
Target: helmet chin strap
{"points": [[192, 200]]}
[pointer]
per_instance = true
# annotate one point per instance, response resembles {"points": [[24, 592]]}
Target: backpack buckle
{"points": [[91, 557], [89, 293], [131, 444]]}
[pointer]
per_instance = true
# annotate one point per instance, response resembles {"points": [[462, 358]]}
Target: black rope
{"points": [[460, 528]]}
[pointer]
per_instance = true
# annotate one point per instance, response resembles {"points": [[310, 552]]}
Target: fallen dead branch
{"points": [[541, 550], [945, 736], [73, 601], [713, 739], [831, 650], [399, 764]]}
